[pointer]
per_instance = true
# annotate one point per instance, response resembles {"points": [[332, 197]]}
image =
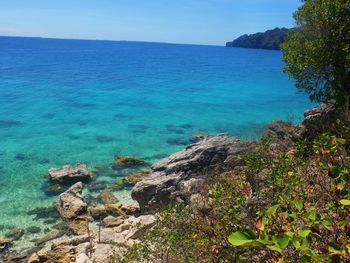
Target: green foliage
{"points": [[308, 216], [317, 51], [271, 39]]}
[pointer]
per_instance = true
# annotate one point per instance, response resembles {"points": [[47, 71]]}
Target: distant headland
{"points": [[271, 39]]}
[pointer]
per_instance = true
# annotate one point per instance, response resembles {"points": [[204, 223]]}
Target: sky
{"points": [[211, 22]]}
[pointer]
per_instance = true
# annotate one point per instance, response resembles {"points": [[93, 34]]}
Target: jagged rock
{"points": [[130, 209], [73, 241], [51, 235], [79, 225], [200, 160], [133, 178], [111, 221], [318, 119], [108, 198], [15, 234], [69, 173], [98, 212], [115, 209], [282, 130], [4, 244], [282, 136], [71, 203], [61, 254], [126, 162], [139, 225]]}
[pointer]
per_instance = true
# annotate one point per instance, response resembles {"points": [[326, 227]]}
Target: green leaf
{"points": [[304, 233], [334, 249], [275, 248], [241, 238], [283, 241], [299, 204], [305, 259], [341, 140], [327, 225], [345, 202], [272, 210]]}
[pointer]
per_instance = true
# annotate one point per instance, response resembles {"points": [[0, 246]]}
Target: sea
{"points": [[70, 101]]}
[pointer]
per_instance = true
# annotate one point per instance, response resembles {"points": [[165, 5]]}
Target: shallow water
{"points": [[64, 101]]}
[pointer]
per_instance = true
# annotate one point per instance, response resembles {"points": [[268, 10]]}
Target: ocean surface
{"points": [[69, 101]]}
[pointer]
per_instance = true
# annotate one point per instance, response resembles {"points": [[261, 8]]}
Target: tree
{"points": [[317, 51]]}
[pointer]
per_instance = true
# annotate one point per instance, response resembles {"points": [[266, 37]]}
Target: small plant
{"points": [[308, 219]]}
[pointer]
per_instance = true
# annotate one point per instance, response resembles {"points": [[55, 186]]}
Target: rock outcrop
{"points": [[4, 244], [176, 178], [98, 245], [180, 178], [69, 173], [318, 119], [71, 203]]}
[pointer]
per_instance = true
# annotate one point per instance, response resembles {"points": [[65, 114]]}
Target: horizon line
{"points": [[112, 40]]}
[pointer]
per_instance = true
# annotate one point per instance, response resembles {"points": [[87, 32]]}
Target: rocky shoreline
{"points": [[96, 233]]}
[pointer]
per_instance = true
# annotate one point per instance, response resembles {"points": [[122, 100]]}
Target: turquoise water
{"points": [[64, 101]]}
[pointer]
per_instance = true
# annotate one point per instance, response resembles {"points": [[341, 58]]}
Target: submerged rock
{"points": [[68, 173], [126, 162], [4, 244], [97, 186], [71, 203], [133, 178], [56, 188], [166, 183], [51, 235], [44, 213], [108, 198], [33, 229], [15, 234]]}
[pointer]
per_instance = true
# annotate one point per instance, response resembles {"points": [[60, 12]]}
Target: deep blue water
{"points": [[64, 101]]}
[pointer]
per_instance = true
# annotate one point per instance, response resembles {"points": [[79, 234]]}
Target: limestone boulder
{"points": [[201, 160], [69, 173], [71, 203]]}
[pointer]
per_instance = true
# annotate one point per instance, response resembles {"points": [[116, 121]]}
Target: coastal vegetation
{"points": [[282, 198], [281, 207], [290, 200], [271, 39]]}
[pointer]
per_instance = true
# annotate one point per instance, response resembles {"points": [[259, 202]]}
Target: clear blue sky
{"points": [[177, 21]]}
